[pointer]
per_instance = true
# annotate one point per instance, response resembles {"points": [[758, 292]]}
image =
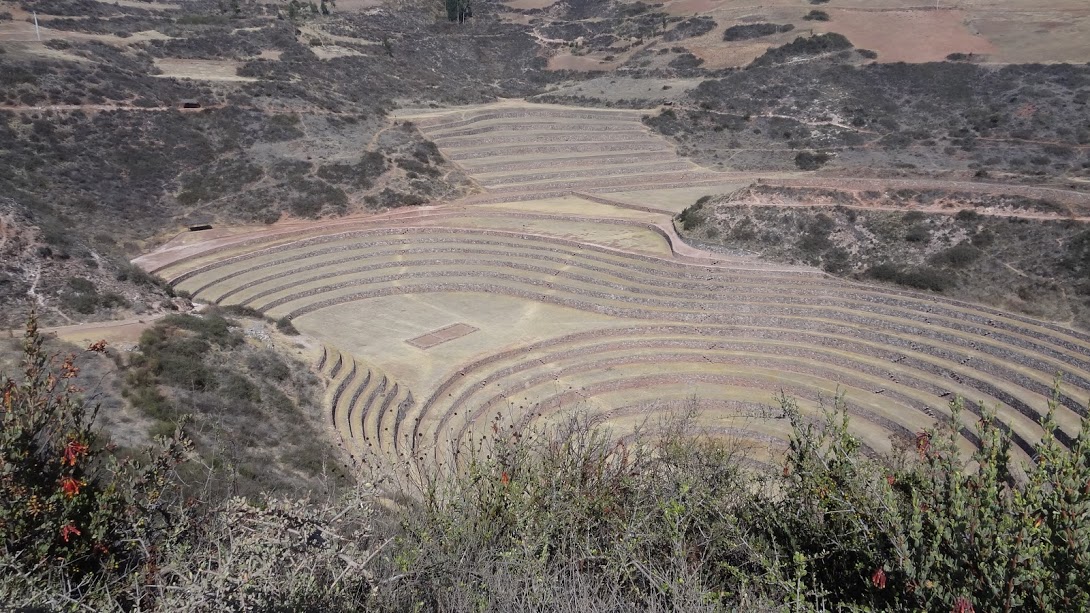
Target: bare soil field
{"points": [[921, 35], [903, 30], [204, 70]]}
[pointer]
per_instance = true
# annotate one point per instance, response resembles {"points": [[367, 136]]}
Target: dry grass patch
{"points": [[201, 70]]}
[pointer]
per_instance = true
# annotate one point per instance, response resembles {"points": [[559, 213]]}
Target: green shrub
{"points": [[816, 15], [836, 261], [285, 326], [691, 217], [939, 532], [239, 310], [884, 272], [754, 30], [925, 278], [808, 160], [113, 299], [640, 522], [958, 256], [72, 515], [238, 388], [134, 274], [967, 215], [211, 327], [918, 233], [81, 303], [268, 365], [814, 45]]}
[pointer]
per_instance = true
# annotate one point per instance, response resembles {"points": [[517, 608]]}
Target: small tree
{"points": [[458, 10], [937, 532]]}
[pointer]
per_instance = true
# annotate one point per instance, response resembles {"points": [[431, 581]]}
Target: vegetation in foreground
{"points": [[568, 518]]}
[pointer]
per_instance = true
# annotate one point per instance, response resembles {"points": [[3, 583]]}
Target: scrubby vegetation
{"points": [[755, 30], [803, 47], [564, 519], [252, 414], [103, 171], [1006, 261], [692, 27], [960, 120]]}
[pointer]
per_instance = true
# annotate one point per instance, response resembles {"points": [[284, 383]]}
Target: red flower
{"points": [[69, 530], [73, 451], [504, 478], [71, 486], [962, 605], [878, 578], [890, 479], [98, 347], [68, 368], [923, 443]]}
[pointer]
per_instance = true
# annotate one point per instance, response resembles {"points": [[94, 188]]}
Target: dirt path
{"points": [[937, 210], [114, 332], [1079, 201]]}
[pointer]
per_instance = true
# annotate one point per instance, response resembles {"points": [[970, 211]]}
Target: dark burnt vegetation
{"points": [[1025, 124], [253, 414], [750, 31], [802, 47], [289, 142], [692, 27]]}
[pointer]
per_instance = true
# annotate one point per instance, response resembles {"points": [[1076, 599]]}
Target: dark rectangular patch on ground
{"points": [[440, 336]]}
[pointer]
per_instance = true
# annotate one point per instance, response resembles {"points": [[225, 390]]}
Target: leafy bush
{"points": [[804, 47], [918, 233], [755, 30], [836, 261], [81, 296], [691, 216], [134, 274], [925, 278], [967, 215], [285, 326], [940, 532], [72, 515], [816, 15], [958, 256], [572, 517], [568, 518], [691, 27], [917, 278], [807, 160]]}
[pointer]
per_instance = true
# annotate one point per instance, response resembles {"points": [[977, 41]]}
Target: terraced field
{"points": [[519, 151], [448, 324]]}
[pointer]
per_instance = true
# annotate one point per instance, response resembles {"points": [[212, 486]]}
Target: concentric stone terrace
{"points": [[519, 151], [446, 324], [564, 287]]}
